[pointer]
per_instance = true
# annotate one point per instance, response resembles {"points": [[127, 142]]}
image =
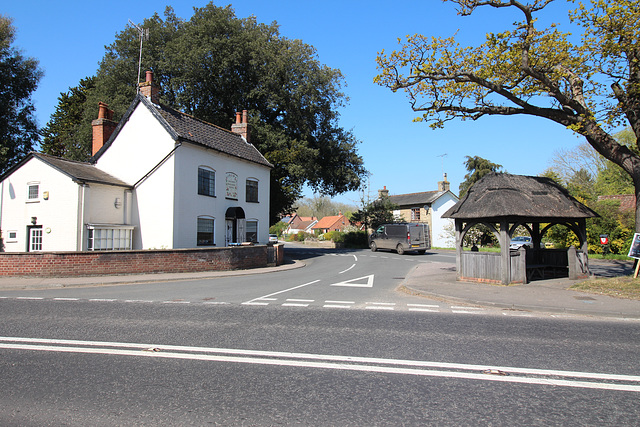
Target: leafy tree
{"points": [[63, 136], [20, 77], [477, 168], [216, 64], [321, 206], [375, 213], [590, 86]]}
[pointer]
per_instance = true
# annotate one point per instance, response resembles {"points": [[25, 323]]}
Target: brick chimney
{"points": [[384, 193], [103, 127], [149, 89], [443, 185], [241, 126]]}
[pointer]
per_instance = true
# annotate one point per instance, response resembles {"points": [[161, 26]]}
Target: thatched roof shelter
{"points": [[500, 195], [503, 202]]}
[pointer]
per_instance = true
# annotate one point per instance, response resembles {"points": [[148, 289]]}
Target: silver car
{"points": [[519, 241]]}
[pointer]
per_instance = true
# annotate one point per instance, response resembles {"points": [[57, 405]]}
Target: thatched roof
{"points": [[533, 198]]}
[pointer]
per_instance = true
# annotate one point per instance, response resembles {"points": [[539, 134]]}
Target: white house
{"points": [[427, 207], [158, 179]]}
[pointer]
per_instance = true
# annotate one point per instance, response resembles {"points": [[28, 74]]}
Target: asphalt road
{"points": [[178, 357]]}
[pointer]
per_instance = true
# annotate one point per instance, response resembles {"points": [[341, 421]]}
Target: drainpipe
{"points": [[82, 189]]}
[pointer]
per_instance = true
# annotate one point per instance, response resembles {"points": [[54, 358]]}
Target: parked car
{"points": [[519, 241], [407, 237], [273, 238]]}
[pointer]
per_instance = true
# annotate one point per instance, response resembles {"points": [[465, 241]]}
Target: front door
{"points": [[35, 239], [229, 232]]}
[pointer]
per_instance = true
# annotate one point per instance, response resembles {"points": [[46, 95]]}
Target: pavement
{"points": [[436, 280]]}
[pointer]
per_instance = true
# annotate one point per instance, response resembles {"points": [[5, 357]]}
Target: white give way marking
{"points": [[542, 377], [365, 282]]}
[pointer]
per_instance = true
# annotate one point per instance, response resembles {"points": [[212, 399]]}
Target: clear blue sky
{"points": [[68, 39]]}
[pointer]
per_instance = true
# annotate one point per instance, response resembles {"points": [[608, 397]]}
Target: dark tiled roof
{"points": [[502, 195], [206, 134], [80, 171], [415, 199]]}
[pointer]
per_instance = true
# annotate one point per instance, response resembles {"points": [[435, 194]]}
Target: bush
{"points": [[356, 239]]}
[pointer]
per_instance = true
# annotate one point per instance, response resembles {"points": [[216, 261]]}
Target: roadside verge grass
{"points": [[619, 287]]}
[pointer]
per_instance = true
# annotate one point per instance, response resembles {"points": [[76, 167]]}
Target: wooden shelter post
{"points": [[505, 255], [459, 226]]}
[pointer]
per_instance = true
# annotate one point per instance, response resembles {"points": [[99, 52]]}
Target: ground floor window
{"points": [[109, 237], [252, 231], [205, 231]]}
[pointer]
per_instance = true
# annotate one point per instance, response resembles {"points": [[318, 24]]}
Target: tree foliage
{"points": [[321, 206], [375, 213], [60, 135], [19, 78], [477, 167], [215, 64], [590, 86]]}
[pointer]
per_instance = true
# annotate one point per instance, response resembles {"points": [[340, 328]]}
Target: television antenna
{"points": [[442, 156], [144, 35]]}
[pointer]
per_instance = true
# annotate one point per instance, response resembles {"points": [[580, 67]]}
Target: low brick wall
{"points": [[68, 264]]}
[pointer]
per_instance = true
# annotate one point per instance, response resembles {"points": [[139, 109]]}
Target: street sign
{"points": [[604, 239]]}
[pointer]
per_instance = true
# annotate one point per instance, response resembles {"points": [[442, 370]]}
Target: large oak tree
{"points": [[215, 64], [19, 77], [591, 85]]}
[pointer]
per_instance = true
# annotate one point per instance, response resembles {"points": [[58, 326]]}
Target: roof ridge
{"points": [[198, 119], [62, 158]]}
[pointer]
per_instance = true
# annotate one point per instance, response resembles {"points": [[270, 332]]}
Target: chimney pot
{"points": [[238, 117], [149, 89], [103, 127], [149, 76], [241, 126]]}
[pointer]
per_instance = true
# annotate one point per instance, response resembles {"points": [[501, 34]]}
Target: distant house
{"points": [[300, 224], [426, 207], [331, 223], [158, 179]]}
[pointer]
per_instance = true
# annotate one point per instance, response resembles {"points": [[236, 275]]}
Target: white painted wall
{"points": [[58, 214], [140, 147], [440, 206], [189, 204]]}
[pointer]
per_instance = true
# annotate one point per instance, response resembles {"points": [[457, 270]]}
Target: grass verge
{"points": [[620, 287]]}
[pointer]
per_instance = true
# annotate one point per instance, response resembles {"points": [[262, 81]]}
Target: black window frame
{"points": [[206, 181]]}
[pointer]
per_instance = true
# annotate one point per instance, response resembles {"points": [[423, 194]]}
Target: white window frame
{"points": [[10, 239], [30, 185], [109, 237], [213, 230]]}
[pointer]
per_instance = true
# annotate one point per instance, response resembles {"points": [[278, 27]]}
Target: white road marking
{"points": [[299, 300], [543, 377], [335, 306], [66, 299], [294, 304], [464, 312], [423, 305], [339, 302], [378, 307], [103, 299], [455, 307], [381, 303], [176, 302], [349, 283], [138, 300], [255, 303], [29, 298], [344, 271], [280, 292], [431, 310]]}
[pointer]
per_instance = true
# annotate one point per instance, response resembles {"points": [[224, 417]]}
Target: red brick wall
{"points": [[66, 264]]}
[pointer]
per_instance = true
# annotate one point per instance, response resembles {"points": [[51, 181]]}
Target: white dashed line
{"points": [[423, 305], [339, 302], [255, 303], [430, 310], [66, 299], [176, 302], [335, 306], [38, 298], [299, 300], [294, 304], [103, 299]]}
